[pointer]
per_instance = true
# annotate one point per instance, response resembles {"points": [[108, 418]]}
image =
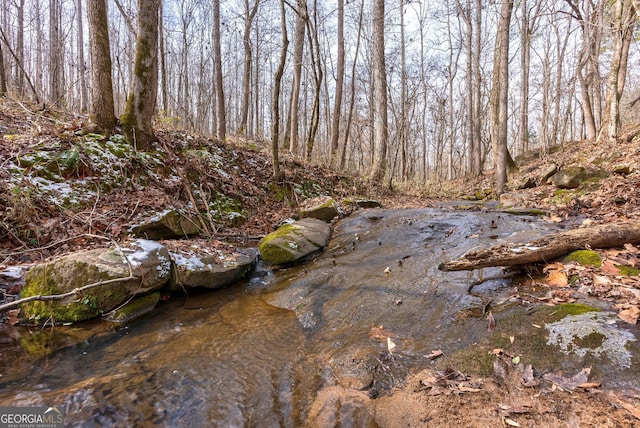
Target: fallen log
{"points": [[548, 247]]}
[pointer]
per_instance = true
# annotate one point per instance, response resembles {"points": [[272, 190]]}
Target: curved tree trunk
{"points": [[139, 111]]}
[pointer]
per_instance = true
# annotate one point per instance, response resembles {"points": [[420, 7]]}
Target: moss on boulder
{"points": [[149, 263], [133, 309], [294, 241], [323, 208]]}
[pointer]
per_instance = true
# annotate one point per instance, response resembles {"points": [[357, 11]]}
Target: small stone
{"points": [[622, 169]]}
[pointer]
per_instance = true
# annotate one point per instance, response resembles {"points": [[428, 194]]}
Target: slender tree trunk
{"points": [[337, 106], [477, 97], [163, 65], [102, 107], [380, 95], [140, 108], [624, 19], [221, 122], [82, 71], [250, 14], [499, 96], [525, 54], [20, 48], [3, 76], [298, 50], [316, 67], [347, 131], [55, 53], [275, 101], [403, 95]]}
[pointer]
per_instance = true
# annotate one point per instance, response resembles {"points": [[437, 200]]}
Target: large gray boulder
{"points": [[210, 268], [293, 241], [137, 268]]}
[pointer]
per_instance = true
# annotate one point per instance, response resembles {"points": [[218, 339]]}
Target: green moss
{"points": [[561, 311], [278, 253], [134, 309], [585, 258], [44, 280], [628, 270]]}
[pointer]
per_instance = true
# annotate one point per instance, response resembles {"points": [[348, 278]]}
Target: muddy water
{"points": [[258, 353]]}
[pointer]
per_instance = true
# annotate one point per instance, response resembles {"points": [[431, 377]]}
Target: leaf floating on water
{"points": [[387, 271], [492, 322]]}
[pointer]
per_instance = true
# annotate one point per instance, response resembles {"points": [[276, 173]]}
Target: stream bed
{"points": [[361, 315]]}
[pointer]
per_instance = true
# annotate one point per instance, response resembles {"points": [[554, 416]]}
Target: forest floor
{"points": [[41, 152]]}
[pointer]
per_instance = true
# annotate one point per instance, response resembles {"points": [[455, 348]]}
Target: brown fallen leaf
{"points": [[569, 384], [557, 278], [435, 354], [610, 268], [632, 408], [511, 422], [506, 410], [630, 315], [528, 378], [492, 322], [589, 385]]}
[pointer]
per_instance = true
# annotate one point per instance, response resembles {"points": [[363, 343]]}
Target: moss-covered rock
{"points": [[585, 258], [294, 241], [146, 261], [323, 208]]}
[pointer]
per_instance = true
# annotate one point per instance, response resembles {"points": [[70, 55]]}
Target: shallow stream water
{"points": [[363, 314]]}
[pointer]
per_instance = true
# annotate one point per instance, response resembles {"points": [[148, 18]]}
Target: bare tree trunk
{"points": [[499, 96], [477, 97], [337, 106], [347, 131], [250, 14], [3, 76], [82, 70], [380, 95], [55, 53], [298, 50], [163, 65], [316, 67], [624, 19], [275, 102], [221, 120], [403, 95], [140, 108], [102, 108], [20, 48]]}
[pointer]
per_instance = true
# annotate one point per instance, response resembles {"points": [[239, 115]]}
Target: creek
{"points": [[362, 315]]}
